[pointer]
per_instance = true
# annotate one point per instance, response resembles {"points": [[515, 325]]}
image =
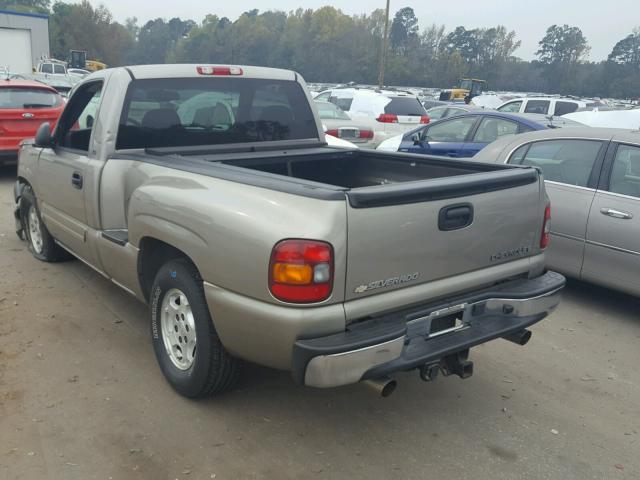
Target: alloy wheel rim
{"points": [[178, 329], [35, 230]]}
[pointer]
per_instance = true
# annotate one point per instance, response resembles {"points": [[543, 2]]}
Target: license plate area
{"points": [[349, 133], [439, 322]]}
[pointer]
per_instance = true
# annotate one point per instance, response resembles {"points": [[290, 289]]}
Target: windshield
{"points": [[410, 106], [19, 97], [213, 111], [330, 111]]}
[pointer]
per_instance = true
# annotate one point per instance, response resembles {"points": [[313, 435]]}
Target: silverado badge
{"points": [[388, 282]]}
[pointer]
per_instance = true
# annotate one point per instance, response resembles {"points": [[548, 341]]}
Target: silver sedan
{"points": [[593, 180]]}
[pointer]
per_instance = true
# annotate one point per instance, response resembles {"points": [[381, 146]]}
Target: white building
{"points": [[24, 39]]}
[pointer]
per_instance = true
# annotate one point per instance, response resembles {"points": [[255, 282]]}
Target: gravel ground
{"points": [[81, 397]]}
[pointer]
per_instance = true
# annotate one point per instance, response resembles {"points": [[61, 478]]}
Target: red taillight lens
{"points": [[301, 271], [333, 133], [366, 133], [546, 228], [387, 118], [425, 119], [210, 70]]}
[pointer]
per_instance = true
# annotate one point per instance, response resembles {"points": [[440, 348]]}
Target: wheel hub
{"points": [[178, 329], [35, 230]]}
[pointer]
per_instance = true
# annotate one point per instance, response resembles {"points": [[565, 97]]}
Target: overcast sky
{"points": [[602, 22]]}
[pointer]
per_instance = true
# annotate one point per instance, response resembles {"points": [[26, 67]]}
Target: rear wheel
{"points": [[41, 243], [187, 347]]}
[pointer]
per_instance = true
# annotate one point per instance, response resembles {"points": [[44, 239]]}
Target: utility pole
{"points": [[383, 50]]}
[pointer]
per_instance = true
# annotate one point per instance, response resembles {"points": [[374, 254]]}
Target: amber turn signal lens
{"points": [[292, 274]]}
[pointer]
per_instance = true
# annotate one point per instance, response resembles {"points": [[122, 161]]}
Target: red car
{"points": [[24, 106]]}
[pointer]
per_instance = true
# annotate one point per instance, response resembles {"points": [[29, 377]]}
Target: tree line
{"points": [[326, 45]]}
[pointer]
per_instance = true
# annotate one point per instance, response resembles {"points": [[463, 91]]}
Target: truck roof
{"points": [[191, 71]]}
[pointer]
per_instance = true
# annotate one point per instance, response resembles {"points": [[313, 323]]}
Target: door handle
{"points": [[453, 154], [455, 217], [76, 180], [610, 212]]}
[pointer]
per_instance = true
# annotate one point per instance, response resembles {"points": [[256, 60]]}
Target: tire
{"points": [[187, 347], [41, 243]]}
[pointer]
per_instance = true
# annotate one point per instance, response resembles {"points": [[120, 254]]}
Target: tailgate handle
{"points": [[454, 217]]}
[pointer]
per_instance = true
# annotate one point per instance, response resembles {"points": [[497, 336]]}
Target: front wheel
{"points": [[187, 347], [41, 243]]}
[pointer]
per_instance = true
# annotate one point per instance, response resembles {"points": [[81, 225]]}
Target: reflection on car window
{"points": [[455, 130], [437, 113], [330, 111], [511, 107], [563, 161], [625, 173], [537, 106], [27, 97], [493, 128]]}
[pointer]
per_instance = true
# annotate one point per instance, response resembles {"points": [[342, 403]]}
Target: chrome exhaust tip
{"points": [[382, 386]]}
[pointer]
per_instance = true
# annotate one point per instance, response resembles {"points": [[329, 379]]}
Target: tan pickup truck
{"points": [[210, 193]]}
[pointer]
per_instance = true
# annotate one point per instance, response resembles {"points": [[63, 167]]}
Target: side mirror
{"points": [[416, 138], [43, 136]]}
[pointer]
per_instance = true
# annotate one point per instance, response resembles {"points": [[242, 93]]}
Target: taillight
{"points": [[333, 133], [366, 133], [301, 271], [546, 228], [387, 118], [425, 119], [210, 70]]}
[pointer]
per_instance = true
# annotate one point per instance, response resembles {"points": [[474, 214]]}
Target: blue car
{"points": [[465, 135]]}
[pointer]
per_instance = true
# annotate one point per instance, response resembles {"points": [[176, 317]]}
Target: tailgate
{"points": [[401, 235]]}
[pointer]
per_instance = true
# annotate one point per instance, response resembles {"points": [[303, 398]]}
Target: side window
{"points": [[625, 173], [323, 97], [537, 106], [46, 68], [75, 125], [344, 103], [511, 107], [59, 69], [563, 161], [491, 129], [455, 130], [453, 112], [562, 108]]}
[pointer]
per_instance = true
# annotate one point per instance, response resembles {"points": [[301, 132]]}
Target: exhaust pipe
{"points": [[521, 338], [382, 386]]}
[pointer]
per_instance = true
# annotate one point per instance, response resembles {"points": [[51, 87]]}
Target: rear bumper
{"points": [[405, 340]]}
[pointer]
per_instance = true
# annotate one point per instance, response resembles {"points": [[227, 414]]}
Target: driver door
{"points": [[444, 138], [61, 171]]}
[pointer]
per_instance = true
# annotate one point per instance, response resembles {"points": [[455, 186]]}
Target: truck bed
{"points": [[357, 169]]}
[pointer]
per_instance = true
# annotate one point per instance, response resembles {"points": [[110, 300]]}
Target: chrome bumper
{"points": [[479, 321]]}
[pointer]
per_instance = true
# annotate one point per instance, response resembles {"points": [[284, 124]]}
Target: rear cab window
{"points": [[181, 112], [28, 97]]}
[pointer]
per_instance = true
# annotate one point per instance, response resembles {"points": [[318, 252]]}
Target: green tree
{"points": [[561, 50], [627, 51], [404, 33]]}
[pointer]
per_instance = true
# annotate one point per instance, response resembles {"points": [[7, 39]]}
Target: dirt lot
{"points": [[81, 397]]}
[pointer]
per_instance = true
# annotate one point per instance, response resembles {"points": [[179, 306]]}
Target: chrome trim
{"points": [[611, 247], [613, 213], [325, 371], [578, 187], [619, 195]]}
